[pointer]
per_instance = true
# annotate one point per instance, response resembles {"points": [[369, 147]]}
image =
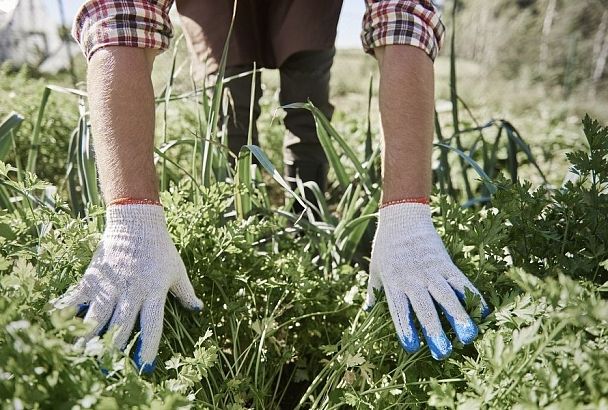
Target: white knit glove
{"points": [[410, 262], [133, 268]]}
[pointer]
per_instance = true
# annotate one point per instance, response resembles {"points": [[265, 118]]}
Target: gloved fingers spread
{"points": [[424, 308], [98, 316], [460, 283], [373, 283], [403, 318], [466, 330], [124, 318], [151, 323], [74, 297], [182, 289]]}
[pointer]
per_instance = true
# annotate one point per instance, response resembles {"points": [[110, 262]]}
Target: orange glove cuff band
{"points": [[135, 201], [419, 200]]}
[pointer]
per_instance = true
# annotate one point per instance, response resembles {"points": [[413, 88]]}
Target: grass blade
{"points": [[330, 151], [167, 97], [368, 131], [454, 99], [243, 166], [491, 166], [326, 133], [514, 135], [512, 158], [267, 165], [322, 206], [346, 147], [473, 164], [161, 153], [215, 108], [71, 174], [353, 231], [35, 143], [445, 181], [9, 126], [86, 163]]}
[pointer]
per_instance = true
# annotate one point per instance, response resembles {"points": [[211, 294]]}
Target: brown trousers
{"points": [[297, 36], [265, 31], [304, 76]]}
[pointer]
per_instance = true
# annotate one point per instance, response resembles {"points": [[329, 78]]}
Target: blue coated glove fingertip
{"points": [[143, 367], [438, 354], [485, 311], [147, 368], [104, 329], [197, 306], [82, 310], [467, 333], [411, 346], [440, 346]]}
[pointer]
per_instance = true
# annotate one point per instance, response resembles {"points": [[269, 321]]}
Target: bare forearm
{"points": [[406, 107], [121, 101]]}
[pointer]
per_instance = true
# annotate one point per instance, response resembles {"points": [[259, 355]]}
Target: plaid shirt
{"points": [[146, 24], [414, 23]]}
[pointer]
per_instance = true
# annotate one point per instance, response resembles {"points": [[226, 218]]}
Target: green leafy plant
{"points": [[547, 349], [282, 326], [562, 230]]}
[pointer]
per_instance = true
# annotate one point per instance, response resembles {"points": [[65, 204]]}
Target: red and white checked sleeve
{"points": [[130, 23], [414, 23]]}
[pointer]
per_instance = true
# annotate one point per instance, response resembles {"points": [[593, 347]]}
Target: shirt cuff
{"points": [[414, 23], [129, 23]]}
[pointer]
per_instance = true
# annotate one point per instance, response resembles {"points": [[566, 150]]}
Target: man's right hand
{"points": [[132, 270]]}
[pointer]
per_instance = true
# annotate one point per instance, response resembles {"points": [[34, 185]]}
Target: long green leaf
{"points": [[68, 91], [353, 231], [512, 159], [322, 206], [86, 163], [35, 142], [490, 166], [473, 164], [444, 177], [346, 147], [160, 153], [5, 200], [8, 127], [330, 151], [72, 176], [514, 135], [215, 108], [325, 128], [454, 99], [368, 129], [311, 208], [261, 186], [243, 177], [167, 97], [243, 166], [267, 165]]}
